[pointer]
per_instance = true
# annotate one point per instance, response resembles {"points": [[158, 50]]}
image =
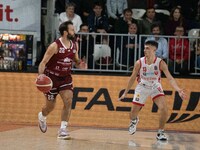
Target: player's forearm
{"points": [[41, 68], [174, 85], [130, 83], [77, 61]]}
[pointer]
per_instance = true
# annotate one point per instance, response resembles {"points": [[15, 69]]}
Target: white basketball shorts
{"points": [[142, 91]]}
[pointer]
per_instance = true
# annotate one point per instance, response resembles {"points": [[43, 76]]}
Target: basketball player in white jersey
{"points": [[148, 72]]}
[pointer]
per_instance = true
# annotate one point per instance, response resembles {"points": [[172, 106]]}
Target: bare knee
{"points": [[67, 102], [48, 108], [66, 97], [161, 103], [163, 108], [134, 111]]}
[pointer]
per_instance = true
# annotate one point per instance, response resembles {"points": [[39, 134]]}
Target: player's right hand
{"points": [[182, 94]]}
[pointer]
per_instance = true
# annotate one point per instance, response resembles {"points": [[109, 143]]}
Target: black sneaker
{"points": [[161, 135]]}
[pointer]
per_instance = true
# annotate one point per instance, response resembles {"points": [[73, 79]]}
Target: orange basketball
{"points": [[43, 83]]}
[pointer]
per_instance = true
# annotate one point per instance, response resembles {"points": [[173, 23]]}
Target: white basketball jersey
{"points": [[149, 74]]}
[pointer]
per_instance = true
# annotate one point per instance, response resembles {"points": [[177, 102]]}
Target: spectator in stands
{"points": [[97, 21], [189, 8], [69, 15], [87, 8], [123, 23], [178, 52], [162, 50], [175, 19], [115, 10], [148, 19], [86, 45], [60, 6], [128, 48]]}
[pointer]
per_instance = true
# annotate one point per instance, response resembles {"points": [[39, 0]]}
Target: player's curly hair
{"points": [[64, 27]]}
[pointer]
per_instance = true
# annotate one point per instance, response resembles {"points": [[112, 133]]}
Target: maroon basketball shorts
{"points": [[59, 84]]}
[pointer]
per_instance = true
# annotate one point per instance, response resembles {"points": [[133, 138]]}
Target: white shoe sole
{"points": [[42, 130], [67, 137]]}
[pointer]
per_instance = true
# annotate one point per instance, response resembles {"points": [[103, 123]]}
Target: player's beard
{"points": [[71, 37]]}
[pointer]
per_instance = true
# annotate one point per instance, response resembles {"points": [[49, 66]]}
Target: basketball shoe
{"points": [[42, 122], [63, 134], [161, 135], [133, 125]]}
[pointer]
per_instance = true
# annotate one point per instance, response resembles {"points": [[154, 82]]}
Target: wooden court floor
{"points": [[20, 137]]}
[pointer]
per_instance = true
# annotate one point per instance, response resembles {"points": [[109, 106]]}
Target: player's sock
{"points": [[63, 124], [41, 117]]}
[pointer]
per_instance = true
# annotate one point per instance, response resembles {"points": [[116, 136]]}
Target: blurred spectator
{"points": [[60, 6], [70, 15], [123, 23], [178, 52], [86, 45], [115, 10], [128, 48], [149, 18], [189, 8], [162, 50], [87, 8], [97, 21], [175, 19]]}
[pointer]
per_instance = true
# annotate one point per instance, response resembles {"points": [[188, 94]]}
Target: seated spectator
{"points": [[128, 48], [70, 15], [178, 52], [86, 8], [149, 18], [115, 10], [162, 50], [60, 6], [86, 45], [175, 19], [122, 24], [97, 21]]}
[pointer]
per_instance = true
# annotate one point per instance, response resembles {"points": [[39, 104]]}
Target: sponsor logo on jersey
{"points": [[67, 60], [144, 69]]}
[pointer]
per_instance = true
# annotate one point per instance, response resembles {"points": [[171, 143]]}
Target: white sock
{"points": [[41, 117], [64, 124], [160, 130]]}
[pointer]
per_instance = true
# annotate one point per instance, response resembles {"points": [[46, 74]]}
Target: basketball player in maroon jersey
{"points": [[148, 70], [57, 64]]}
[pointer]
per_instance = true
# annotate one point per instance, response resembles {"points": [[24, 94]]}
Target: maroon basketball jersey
{"points": [[60, 64]]}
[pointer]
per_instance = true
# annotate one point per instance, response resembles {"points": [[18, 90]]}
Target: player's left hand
{"points": [[83, 64], [182, 94]]}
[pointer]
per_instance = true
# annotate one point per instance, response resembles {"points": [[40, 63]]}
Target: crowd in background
{"points": [[116, 16]]}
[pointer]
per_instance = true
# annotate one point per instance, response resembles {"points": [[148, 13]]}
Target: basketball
{"points": [[43, 83]]}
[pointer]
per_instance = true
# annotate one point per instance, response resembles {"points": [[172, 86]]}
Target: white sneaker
{"points": [[42, 123], [133, 125], [161, 135], [63, 134]]}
